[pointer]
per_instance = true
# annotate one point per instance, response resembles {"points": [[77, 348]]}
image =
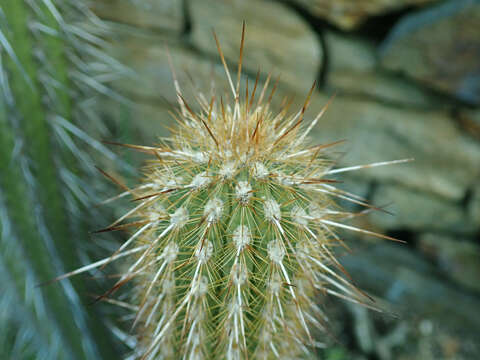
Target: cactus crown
{"points": [[234, 229]]}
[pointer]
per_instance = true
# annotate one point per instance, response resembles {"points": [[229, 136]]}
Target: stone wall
{"points": [[406, 75]]}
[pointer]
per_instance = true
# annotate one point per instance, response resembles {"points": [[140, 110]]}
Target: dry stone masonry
{"points": [[415, 93]]}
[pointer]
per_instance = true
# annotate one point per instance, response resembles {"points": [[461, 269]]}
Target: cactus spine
{"points": [[234, 226]]}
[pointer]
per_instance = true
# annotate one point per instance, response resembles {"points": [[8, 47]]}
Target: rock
{"points": [[348, 14], [349, 52], [474, 205], [352, 70], [152, 82], [419, 211], [354, 185], [383, 88], [277, 39], [446, 161], [423, 317], [424, 46], [148, 122], [458, 259], [409, 284], [363, 328], [469, 120], [165, 15]]}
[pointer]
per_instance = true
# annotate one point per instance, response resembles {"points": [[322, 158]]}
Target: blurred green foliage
{"points": [[52, 71]]}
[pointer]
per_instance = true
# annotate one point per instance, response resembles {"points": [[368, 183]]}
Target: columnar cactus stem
{"points": [[235, 224], [51, 70]]}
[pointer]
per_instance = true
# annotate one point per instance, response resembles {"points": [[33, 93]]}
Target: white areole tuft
{"points": [[213, 210], [272, 210], [242, 237], [179, 218], [243, 191]]}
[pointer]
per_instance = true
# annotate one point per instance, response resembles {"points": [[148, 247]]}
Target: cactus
{"points": [[234, 228], [52, 72]]}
